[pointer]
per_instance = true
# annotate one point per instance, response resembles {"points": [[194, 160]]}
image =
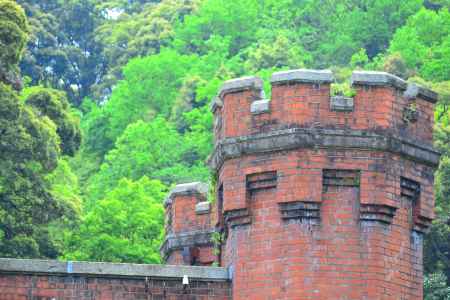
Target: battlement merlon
{"points": [[302, 76], [382, 102], [188, 225], [187, 208], [241, 84], [186, 189], [412, 90]]}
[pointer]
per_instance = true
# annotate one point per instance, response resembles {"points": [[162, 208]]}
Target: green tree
{"points": [[13, 36], [64, 188], [436, 288], [136, 32], [62, 52], [29, 150], [125, 226], [153, 149], [53, 104], [424, 44]]}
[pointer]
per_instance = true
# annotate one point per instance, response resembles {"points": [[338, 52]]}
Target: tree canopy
{"points": [[114, 105], [34, 134]]}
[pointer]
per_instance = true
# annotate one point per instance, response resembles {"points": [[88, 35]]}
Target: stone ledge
{"points": [[186, 189], [341, 104], [260, 107], [377, 79], [374, 78], [202, 208], [178, 241], [413, 90], [35, 266], [240, 84], [300, 138], [215, 104], [237, 217], [422, 224], [302, 75]]}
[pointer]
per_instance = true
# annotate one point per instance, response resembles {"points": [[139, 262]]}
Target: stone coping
{"points": [[260, 106], [301, 138], [240, 84], [375, 78], [215, 104], [302, 75], [100, 269], [186, 189], [370, 78]]}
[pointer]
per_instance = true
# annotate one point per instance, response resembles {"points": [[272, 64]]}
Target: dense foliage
{"points": [[126, 225], [141, 74], [34, 133]]}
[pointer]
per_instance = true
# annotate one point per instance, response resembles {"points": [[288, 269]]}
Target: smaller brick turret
{"points": [[188, 226]]}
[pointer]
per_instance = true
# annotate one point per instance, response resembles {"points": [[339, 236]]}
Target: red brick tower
{"points": [[322, 197]]}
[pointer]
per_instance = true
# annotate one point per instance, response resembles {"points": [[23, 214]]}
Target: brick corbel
{"points": [[237, 217], [305, 211], [377, 213]]}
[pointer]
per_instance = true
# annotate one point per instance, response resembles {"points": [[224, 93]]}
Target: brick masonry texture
{"points": [[318, 197], [315, 197], [51, 280], [45, 287]]}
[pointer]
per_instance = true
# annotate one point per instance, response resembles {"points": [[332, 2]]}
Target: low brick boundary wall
{"points": [[55, 280]]}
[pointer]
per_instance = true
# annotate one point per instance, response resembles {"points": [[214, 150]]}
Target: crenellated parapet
{"points": [[302, 99]]}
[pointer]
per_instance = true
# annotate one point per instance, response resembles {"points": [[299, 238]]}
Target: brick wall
{"points": [[317, 197], [335, 236], [49, 280], [325, 203]]}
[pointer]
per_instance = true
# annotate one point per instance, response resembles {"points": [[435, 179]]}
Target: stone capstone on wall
{"points": [[382, 79], [302, 75], [44, 279], [192, 188]]}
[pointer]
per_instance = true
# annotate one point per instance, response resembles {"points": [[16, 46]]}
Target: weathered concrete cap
{"points": [[215, 104], [260, 106], [203, 208], [241, 84], [413, 91], [186, 189], [377, 79], [302, 75], [35, 266], [341, 103]]}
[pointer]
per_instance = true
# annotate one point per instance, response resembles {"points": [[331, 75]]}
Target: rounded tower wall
{"points": [[324, 197]]}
